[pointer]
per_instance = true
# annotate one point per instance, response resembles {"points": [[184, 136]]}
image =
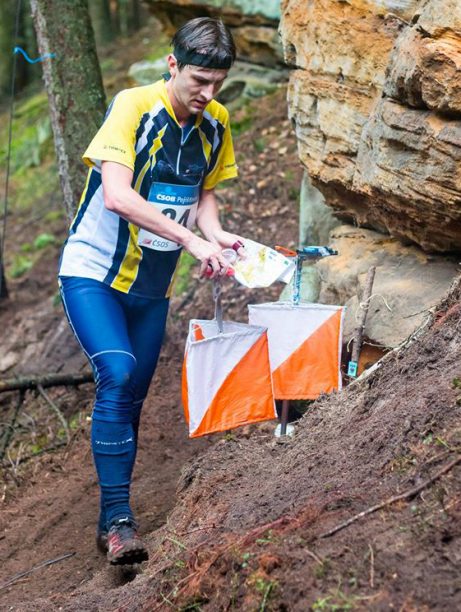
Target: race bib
{"points": [[178, 202]]}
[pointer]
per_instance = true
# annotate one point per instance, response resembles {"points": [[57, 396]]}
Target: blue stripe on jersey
{"points": [[109, 108], [214, 155], [208, 129], [120, 250], [94, 182]]}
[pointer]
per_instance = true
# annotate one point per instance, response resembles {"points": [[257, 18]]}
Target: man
{"points": [[154, 165]]}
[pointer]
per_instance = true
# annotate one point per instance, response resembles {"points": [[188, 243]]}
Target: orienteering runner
{"points": [[154, 165]]}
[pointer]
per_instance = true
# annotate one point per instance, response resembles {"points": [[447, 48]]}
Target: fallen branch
{"points": [[10, 426], [23, 383], [408, 495], [34, 569], [59, 414]]}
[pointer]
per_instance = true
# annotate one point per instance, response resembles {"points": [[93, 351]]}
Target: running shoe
{"points": [[124, 545]]}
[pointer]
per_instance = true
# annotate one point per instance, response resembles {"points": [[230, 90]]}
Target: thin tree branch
{"points": [[34, 569], [10, 426], [59, 414], [408, 495]]}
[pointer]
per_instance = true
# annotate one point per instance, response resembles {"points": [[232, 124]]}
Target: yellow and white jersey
{"points": [[140, 131]]}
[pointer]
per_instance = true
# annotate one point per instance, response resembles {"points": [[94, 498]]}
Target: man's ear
{"points": [[172, 65]]}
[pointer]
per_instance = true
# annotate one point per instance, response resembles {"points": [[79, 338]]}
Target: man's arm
{"points": [[122, 199]]}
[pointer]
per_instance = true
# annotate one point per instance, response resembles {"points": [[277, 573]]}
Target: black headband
{"points": [[204, 60]]}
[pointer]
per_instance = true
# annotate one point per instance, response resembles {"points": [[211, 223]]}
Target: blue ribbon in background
{"points": [[33, 61]]}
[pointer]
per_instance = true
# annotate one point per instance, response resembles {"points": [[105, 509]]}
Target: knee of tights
{"points": [[114, 388], [115, 371]]}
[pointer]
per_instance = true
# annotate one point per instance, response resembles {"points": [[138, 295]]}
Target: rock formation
{"points": [[253, 23], [376, 103]]}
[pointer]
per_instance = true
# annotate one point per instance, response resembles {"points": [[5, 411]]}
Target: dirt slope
{"points": [[246, 532]]}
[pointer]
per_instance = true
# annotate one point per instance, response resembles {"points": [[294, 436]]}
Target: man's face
{"points": [[194, 87]]}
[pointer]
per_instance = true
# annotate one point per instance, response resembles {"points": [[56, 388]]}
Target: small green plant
{"points": [[428, 438], [259, 144], [321, 569], [57, 299], [245, 559], [43, 240], [21, 265], [183, 273], [294, 193], [402, 463], [338, 602], [267, 540], [242, 126], [266, 587], [54, 215], [456, 382]]}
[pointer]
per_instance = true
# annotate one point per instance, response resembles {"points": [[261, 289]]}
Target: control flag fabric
{"points": [[226, 377], [304, 347]]}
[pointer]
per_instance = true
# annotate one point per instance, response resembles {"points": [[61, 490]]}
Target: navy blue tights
{"points": [[121, 335]]}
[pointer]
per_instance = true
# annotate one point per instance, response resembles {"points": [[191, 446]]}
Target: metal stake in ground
{"points": [[314, 254]]}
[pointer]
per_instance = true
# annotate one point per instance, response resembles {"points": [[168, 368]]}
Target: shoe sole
{"points": [[128, 555]]}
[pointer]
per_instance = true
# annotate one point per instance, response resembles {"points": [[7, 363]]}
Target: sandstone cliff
{"points": [[375, 98], [253, 23]]}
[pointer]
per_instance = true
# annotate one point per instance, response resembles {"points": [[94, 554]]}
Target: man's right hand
{"points": [[212, 261]]}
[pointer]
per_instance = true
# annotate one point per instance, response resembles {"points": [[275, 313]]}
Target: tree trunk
{"points": [[135, 15], [3, 286], [7, 26], [101, 19], [74, 85], [25, 73]]}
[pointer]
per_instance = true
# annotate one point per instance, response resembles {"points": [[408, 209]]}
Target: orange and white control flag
{"points": [[304, 347], [226, 377]]}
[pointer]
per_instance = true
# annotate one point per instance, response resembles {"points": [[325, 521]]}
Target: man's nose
{"points": [[208, 91]]}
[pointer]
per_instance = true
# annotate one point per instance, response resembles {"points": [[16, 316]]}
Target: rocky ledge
{"points": [[375, 98]]}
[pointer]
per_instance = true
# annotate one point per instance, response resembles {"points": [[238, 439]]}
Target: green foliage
{"points": [[246, 556], [24, 261], [242, 119], [294, 193], [57, 299], [321, 569], [32, 140], [31, 185], [184, 271], [266, 587], [338, 603], [269, 539], [43, 240], [259, 144], [21, 265], [54, 215], [160, 51]]}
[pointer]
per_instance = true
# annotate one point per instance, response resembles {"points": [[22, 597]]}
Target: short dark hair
{"points": [[207, 36]]}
